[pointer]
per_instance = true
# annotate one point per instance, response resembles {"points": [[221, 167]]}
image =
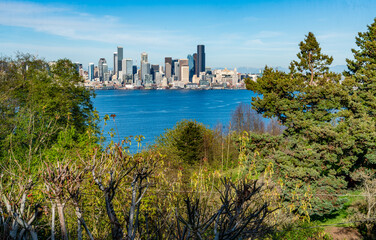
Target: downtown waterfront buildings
{"points": [[189, 73]]}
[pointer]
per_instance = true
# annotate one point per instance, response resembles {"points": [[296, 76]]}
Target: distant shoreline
{"points": [[165, 89]]}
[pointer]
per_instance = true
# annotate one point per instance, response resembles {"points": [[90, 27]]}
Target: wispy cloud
{"points": [[75, 25], [268, 34], [254, 42]]}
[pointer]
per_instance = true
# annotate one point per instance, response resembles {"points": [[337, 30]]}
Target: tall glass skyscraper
{"points": [[129, 66], [115, 62], [191, 65], [145, 69], [200, 59], [100, 68], [120, 58], [91, 71]]}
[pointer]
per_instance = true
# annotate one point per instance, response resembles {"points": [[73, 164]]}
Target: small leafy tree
{"points": [[365, 208]]}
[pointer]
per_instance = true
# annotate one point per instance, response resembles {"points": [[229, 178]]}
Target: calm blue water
{"points": [[150, 112]]}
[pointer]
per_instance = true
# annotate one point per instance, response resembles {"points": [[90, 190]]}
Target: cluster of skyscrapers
{"points": [[190, 72], [125, 72]]}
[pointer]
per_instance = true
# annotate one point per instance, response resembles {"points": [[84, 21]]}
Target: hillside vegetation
{"points": [[312, 165]]}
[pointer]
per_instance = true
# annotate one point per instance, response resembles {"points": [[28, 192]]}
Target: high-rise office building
{"points": [[168, 70], [134, 69], [201, 58], [183, 63], [115, 63], [195, 64], [96, 75], [120, 59], [100, 68], [106, 75], [173, 66], [177, 71], [184, 74], [145, 69], [144, 57], [154, 68], [168, 67], [127, 72], [129, 66], [191, 65], [90, 71], [145, 66]]}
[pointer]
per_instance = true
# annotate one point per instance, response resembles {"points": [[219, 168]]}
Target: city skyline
{"points": [[236, 33]]}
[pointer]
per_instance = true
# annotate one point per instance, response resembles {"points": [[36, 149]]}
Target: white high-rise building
{"points": [[144, 57], [184, 74]]}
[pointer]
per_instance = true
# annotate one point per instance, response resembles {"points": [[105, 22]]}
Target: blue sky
{"points": [[235, 33]]}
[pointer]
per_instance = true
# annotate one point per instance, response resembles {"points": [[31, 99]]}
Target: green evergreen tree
{"points": [[189, 142], [308, 101], [362, 73], [312, 62]]}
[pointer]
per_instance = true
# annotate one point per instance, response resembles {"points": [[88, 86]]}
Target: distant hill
{"points": [[257, 70], [336, 69]]}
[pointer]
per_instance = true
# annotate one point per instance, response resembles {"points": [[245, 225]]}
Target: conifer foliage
{"points": [[325, 141]]}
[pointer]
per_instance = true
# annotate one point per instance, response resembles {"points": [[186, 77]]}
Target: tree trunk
{"points": [[60, 210], [116, 229], [53, 221], [132, 209], [310, 67], [79, 230], [81, 221]]}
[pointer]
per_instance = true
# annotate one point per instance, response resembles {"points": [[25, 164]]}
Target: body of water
{"points": [[150, 112]]}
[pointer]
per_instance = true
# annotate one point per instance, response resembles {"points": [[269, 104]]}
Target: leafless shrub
{"points": [[241, 216]]}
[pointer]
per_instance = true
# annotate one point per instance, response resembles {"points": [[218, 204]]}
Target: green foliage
{"points": [[312, 62], [41, 104], [302, 231], [46, 117], [186, 141], [362, 72], [323, 142]]}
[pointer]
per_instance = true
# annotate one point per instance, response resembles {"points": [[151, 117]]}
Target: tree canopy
{"points": [[327, 137], [39, 102]]}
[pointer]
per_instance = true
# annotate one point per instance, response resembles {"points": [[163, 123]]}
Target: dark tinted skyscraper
{"points": [[154, 69], [168, 67], [120, 58], [115, 62], [173, 70], [91, 71], [200, 59], [195, 68]]}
